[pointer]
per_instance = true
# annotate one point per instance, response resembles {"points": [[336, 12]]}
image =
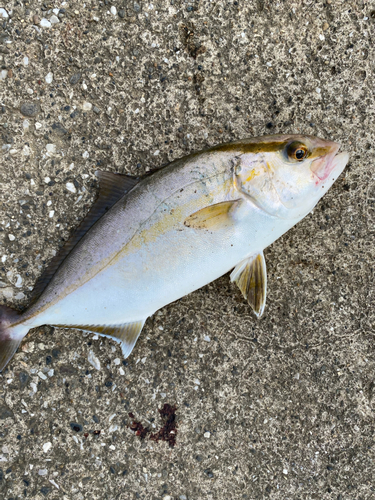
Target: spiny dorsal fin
{"points": [[126, 334], [251, 278], [111, 188], [212, 217]]}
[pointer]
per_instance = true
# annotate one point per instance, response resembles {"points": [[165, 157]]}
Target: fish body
{"points": [[177, 230]]}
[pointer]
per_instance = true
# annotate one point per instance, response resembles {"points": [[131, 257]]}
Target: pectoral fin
{"points": [[212, 217], [251, 278], [126, 334]]}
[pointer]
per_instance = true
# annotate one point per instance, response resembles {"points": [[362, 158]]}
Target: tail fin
{"points": [[8, 344]]}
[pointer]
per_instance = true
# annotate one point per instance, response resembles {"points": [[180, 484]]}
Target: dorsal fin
{"points": [[112, 187]]}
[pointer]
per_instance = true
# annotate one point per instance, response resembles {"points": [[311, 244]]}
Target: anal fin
{"points": [[125, 334], [251, 277]]}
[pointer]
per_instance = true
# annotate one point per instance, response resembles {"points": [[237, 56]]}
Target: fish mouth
{"points": [[328, 167]]}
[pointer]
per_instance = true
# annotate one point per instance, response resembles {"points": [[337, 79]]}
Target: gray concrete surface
{"points": [[281, 408]]}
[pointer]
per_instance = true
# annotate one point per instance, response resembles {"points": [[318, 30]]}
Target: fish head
{"points": [[287, 175]]}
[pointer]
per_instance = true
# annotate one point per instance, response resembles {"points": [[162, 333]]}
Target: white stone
{"points": [[121, 371], [29, 91], [207, 435], [71, 187], [51, 372], [42, 376], [117, 361], [4, 258], [47, 447], [113, 10], [49, 77], [42, 472], [26, 150], [207, 338], [51, 148], [55, 11], [45, 23], [54, 20], [25, 61], [20, 296], [33, 386], [51, 214], [87, 106], [38, 126], [85, 155], [3, 13], [197, 382], [11, 237], [93, 360], [18, 283], [47, 179], [285, 471], [26, 124], [3, 74]]}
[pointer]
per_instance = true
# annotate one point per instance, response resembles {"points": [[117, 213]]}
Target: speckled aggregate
{"points": [[278, 408]]}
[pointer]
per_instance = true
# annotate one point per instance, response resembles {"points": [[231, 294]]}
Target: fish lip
{"points": [[323, 166]]}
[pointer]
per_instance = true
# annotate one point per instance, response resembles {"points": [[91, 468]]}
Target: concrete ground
{"points": [[281, 408]]}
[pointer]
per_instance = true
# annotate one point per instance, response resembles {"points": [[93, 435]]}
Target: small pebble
{"points": [[75, 78], [51, 148], [38, 125], [93, 360], [116, 361], [121, 13], [42, 472], [49, 78], [44, 23], [71, 187], [47, 447], [30, 109], [85, 155], [42, 376], [87, 106], [3, 13], [113, 10], [3, 74], [25, 61], [285, 471], [11, 237], [54, 19], [51, 214], [207, 338], [207, 435]]}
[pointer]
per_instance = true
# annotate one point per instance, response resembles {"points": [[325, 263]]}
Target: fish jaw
{"points": [[328, 168]]}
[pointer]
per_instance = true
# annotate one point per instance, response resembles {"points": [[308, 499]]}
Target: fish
{"points": [[147, 242]]}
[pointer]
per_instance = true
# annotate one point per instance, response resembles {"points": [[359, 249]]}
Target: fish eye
{"points": [[297, 151]]}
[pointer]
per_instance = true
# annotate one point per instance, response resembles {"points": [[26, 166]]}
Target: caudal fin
{"points": [[8, 344]]}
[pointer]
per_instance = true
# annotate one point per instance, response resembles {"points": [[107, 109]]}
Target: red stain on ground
{"points": [[167, 433]]}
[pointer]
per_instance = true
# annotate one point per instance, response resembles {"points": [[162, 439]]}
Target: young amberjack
{"points": [[147, 242]]}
